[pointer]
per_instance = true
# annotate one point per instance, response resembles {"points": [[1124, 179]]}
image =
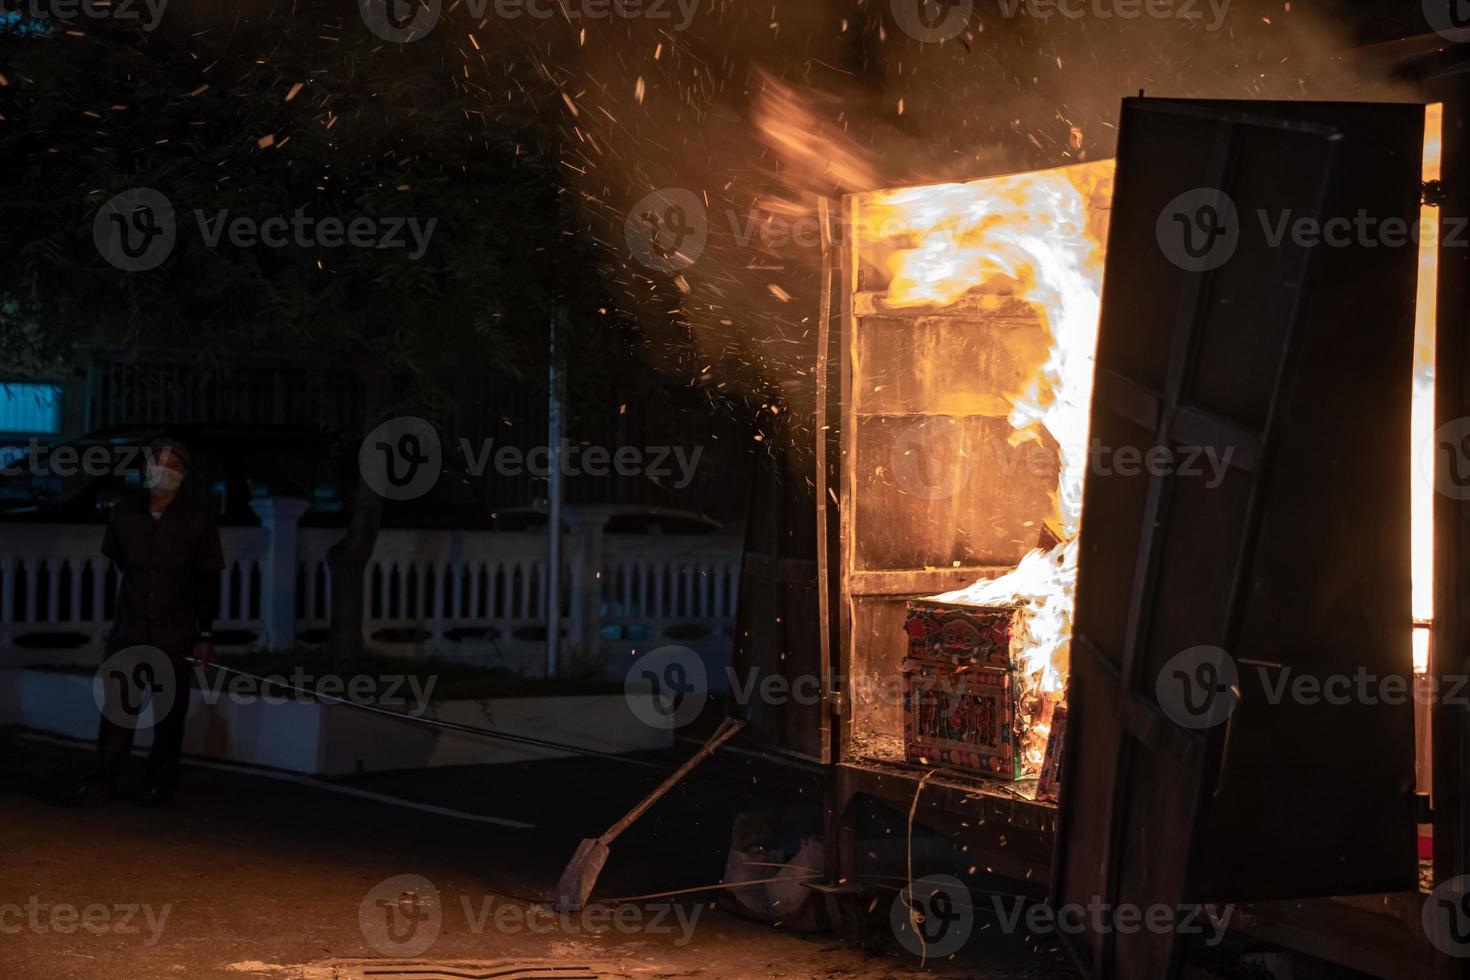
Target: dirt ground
{"points": [[248, 877]]}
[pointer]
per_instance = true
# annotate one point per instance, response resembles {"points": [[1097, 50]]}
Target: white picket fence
{"points": [[470, 596]]}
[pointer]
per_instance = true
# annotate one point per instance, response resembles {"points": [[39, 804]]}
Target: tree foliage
{"points": [[268, 111]]}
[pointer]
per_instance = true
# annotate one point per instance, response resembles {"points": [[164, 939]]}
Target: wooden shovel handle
{"points": [[723, 734]]}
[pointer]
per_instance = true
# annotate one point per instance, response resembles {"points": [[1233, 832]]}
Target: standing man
{"points": [[169, 554]]}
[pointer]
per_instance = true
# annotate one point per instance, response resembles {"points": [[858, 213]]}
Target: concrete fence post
{"points": [[279, 517], [585, 559]]}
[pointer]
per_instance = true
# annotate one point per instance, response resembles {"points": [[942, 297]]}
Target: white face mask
{"points": [[163, 478]]}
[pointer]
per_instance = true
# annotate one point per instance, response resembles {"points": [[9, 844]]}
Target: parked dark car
{"points": [[621, 519]]}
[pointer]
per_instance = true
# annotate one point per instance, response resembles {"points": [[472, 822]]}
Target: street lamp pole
{"points": [[554, 502]]}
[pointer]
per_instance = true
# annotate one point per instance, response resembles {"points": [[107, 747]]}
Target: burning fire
{"points": [[1026, 235], [1425, 309], [1029, 235]]}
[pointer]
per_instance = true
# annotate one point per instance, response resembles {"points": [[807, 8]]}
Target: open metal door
{"points": [[1263, 378]]}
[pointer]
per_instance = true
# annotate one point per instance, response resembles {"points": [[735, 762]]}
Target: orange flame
{"points": [[1037, 236]]}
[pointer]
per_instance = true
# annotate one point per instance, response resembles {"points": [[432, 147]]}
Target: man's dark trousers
{"points": [[125, 701]]}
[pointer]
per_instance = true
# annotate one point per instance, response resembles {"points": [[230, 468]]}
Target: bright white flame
{"points": [[1426, 306], [1028, 235]]}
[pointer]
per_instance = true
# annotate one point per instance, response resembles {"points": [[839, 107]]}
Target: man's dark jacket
{"points": [[170, 568]]}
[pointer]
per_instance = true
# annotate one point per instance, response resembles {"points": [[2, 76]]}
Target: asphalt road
{"points": [[248, 876]]}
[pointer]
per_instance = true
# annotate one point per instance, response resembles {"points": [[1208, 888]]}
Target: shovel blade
{"points": [[580, 876]]}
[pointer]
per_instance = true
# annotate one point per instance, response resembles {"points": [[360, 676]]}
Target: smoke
{"points": [[761, 109]]}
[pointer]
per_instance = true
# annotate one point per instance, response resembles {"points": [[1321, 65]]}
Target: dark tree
{"points": [[268, 111]]}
